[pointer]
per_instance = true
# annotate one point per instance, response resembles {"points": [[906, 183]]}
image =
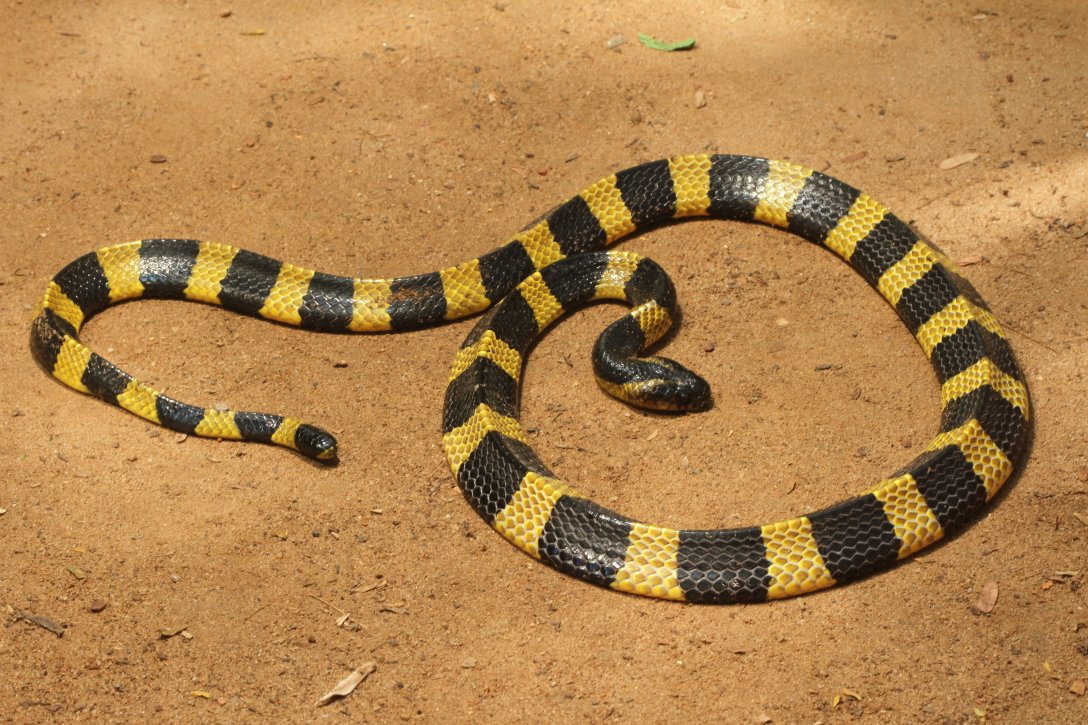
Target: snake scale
{"points": [[558, 265]]}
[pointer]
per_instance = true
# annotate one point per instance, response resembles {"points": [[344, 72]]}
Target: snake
{"points": [[557, 265]]}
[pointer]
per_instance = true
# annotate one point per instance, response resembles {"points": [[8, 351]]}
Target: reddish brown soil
{"points": [[397, 138]]}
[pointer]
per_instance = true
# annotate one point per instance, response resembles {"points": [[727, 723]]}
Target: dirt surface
{"points": [[405, 137]]}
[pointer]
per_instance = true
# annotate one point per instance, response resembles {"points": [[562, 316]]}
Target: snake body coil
{"points": [[556, 266]]}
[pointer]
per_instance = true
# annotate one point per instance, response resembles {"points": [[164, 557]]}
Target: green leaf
{"points": [[653, 43]]}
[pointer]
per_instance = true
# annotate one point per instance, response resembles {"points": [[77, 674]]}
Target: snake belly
{"points": [[558, 265]]}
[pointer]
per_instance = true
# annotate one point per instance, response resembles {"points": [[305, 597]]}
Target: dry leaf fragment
{"points": [[346, 621], [44, 623], [254, 32], [987, 598], [843, 696], [168, 632], [201, 693], [851, 158], [970, 261], [394, 609], [958, 160], [347, 685], [76, 572]]}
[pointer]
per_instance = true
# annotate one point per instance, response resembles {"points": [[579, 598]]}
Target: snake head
{"points": [[658, 383], [315, 443]]}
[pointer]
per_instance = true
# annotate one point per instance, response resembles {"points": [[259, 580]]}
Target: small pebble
{"points": [[315, 533], [700, 99], [98, 605], [469, 663], [225, 13], [616, 42], [710, 346], [158, 159]]}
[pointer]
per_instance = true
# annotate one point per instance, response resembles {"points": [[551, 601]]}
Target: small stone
{"points": [[987, 598], [225, 13], [616, 42], [700, 99], [158, 159], [315, 533], [98, 605], [710, 346], [469, 663], [1078, 687]]}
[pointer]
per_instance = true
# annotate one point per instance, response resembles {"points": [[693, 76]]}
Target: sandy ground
{"points": [[399, 138]]}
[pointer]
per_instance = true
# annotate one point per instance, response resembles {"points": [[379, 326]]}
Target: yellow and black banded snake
{"points": [[558, 265]]}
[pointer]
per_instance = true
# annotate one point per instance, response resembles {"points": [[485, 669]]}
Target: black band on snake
{"points": [[557, 266]]}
